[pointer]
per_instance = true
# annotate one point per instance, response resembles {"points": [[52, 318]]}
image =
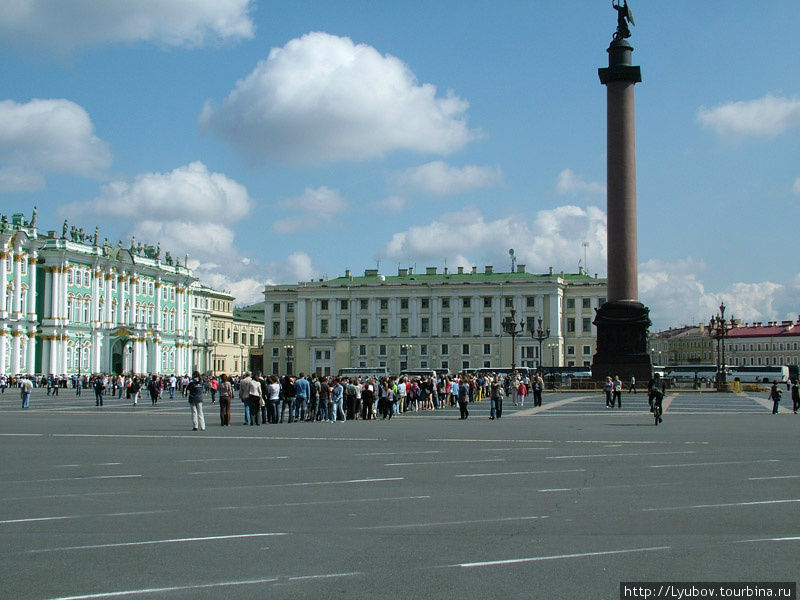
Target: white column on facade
{"points": [[189, 329], [3, 355], [300, 329], [179, 301], [372, 329], [315, 316], [95, 353], [394, 325], [156, 359], [121, 298], [3, 277], [32, 259], [134, 289], [62, 357], [95, 287], [17, 300], [159, 291], [108, 306], [60, 295], [15, 351], [30, 362]]}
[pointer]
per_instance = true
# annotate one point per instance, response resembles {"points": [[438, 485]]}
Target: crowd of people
{"points": [[319, 398]]}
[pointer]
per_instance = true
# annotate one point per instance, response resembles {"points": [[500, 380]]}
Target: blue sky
{"points": [[280, 142]]}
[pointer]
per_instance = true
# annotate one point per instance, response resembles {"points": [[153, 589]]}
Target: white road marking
{"points": [[220, 584], [774, 477], [512, 561], [232, 459], [613, 454], [445, 523], [307, 483], [190, 435], [515, 449], [724, 504], [398, 453], [212, 538], [63, 496], [76, 478], [445, 462], [775, 539], [520, 473], [707, 464], [89, 516], [318, 502]]}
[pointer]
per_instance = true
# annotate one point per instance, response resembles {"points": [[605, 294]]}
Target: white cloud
{"points": [[64, 26], [554, 239], [44, 136], [324, 98], [676, 295], [767, 116], [189, 209], [569, 182], [796, 187], [439, 179], [316, 205], [189, 193]]}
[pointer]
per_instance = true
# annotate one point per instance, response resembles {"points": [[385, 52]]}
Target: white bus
{"points": [[691, 373], [364, 372], [762, 373]]}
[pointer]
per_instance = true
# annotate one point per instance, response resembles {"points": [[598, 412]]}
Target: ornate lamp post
{"points": [[513, 328], [79, 348], [405, 352], [540, 335], [718, 329]]}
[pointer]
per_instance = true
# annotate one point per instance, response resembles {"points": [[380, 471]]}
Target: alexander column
{"points": [[622, 321]]}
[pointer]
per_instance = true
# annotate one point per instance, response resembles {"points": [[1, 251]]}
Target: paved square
{"points": [[564, 502]]}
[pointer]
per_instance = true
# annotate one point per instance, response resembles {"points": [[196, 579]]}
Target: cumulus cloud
{"points": [[796, 187], [554, 238], [190, 206], [44, 136], [324, 98], [190, 192], [316, 206], [64, 26], [570, 183], [440, 179], [676, 295], [765, 117]]}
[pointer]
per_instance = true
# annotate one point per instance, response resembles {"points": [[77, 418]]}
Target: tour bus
{"points": [[364, 372], [690, 373], [412, 373], [762, 373], [502, 370]]}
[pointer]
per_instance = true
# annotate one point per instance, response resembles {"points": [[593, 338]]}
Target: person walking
{"points": [[136, 386], [99, 389], [617, 392], [775, 396], [795, 396], [244, 396], [337, 396], [225, 390], [632, 388], [463, 398], [26, 385], [497, 393], [609, 390], [194, 391]]}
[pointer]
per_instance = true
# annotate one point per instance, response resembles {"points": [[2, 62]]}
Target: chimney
{"points": [[474, 270], [445, 271], [402, 272], [430, 270], [488, 269], [550, 271], [410, 270], [520, 268], [460, 270], [370, 272], [348, 274]]}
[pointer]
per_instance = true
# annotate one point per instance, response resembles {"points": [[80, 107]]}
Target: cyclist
{"points": [[656, 392]]}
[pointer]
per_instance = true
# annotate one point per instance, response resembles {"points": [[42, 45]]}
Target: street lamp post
{"points": [[553, 346], [540, 335], [718, 329], [513, 328], [214, 358], [79, 348], [405, 351]]}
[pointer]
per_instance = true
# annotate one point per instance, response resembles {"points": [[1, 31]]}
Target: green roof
{"points": [[459, 277]]}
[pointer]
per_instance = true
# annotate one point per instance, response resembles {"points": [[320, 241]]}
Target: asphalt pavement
{"points": [[565, 501]]}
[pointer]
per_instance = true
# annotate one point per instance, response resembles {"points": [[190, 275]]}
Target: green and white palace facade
{"points": [[72, 304]]}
